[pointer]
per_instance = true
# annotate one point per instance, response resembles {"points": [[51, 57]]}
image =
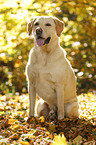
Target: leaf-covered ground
{"points": [[16, 128]]}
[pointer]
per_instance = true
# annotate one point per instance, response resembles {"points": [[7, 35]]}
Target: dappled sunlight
{"points": [[79, 41], [17, 128], [87, 104]]}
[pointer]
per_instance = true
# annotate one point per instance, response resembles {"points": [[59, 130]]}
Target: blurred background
{"points": [[78, 39]]}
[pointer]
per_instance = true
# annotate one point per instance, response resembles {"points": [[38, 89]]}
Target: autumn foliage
{"points": [[17, 128], [78, 39]]}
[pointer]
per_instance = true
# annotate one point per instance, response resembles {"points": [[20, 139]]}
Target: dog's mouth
{"points": [[42, 41]]}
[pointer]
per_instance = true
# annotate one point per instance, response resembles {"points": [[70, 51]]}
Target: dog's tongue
{"points": [[40, 41]]}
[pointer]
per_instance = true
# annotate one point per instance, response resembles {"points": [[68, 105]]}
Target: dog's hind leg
{"points": [[42, 109], [72, 110]]}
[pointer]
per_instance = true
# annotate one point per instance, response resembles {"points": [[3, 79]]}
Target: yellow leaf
{"points": [[16, 126], [12, 121], [24, 142], [59, 140], [42, 119]]}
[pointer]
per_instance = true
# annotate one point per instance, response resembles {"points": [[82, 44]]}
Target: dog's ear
{"points": [[59, 26], [30, 26]]}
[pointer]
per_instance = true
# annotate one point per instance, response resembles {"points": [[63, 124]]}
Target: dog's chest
{"points": [[45, 86]]}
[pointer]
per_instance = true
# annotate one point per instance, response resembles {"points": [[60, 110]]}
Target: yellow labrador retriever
{"points": [[49, 73]]}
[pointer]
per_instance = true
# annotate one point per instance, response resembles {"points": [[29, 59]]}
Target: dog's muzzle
{"points": [[40, 40]]}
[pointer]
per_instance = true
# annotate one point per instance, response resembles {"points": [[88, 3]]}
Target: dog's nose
{"points": [[39, 31]]}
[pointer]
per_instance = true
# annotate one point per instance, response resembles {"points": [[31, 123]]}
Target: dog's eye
{"points": [[48, 24], [36, 24]]}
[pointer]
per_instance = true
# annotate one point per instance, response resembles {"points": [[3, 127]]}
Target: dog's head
{"points": [[45, 28]]}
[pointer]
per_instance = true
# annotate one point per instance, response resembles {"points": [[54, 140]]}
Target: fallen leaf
{"points": [[14, 136], [59, 140], [42, 119], [12, 121], [24, 142], [52, 127], [77, 139]]}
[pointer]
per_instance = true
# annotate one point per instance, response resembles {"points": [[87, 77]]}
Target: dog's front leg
{"points": [[60, 101], [32, 99]]}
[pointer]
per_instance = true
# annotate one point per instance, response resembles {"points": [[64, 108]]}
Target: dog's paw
{"points": [[53, 114], [60, 116]]}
